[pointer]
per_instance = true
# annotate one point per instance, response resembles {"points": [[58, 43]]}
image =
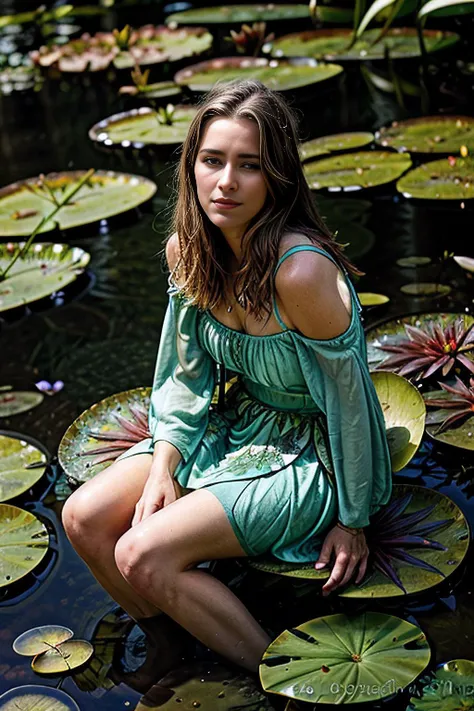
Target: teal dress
{"points": [[299, 440]]}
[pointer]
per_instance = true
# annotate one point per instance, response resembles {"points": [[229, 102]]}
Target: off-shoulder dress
{"points": [[299, 440]]}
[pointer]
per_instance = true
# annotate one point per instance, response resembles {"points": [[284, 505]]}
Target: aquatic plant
{"points": [[250, 40], [429, 349], [165, 115], [52, 649], [461, 405], [118, 441]]}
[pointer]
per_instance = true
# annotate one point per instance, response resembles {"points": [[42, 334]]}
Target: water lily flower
{"points": [[50, 388]]}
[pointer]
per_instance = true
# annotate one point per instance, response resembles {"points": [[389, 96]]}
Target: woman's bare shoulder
{"points": [[172, 251]]}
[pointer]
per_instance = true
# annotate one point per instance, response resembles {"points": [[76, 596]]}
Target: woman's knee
{"points": [[87, 519], [144, 566]]}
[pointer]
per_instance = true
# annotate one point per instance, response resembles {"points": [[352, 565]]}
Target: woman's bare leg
{"points": [[156, 558]]}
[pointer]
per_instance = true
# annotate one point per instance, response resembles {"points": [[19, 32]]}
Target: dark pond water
{"points": [[105, 339]]}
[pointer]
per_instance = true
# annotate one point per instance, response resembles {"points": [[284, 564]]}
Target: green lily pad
{"points": [[41, 639], [429, 134], [466, 263], [353, 171], [451, 689], [12, 402], [147, 45], [66, 657], [44, 269], [23, 543], [446, 179], [460, 435], [157, 90], [332, 44], [423, 289], [337, 142], [404, 413], [413, 262], [16, 456], [24, 204], [368, 298], [19, 78], [235, 14], [268, 564], [77, 439], [454, 536], [141, 127], [341, 660], [33, 697], [280, 76]]}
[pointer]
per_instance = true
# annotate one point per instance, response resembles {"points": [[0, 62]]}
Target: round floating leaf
{"points": [[447, 179], [41, 639], [337, 142], [354, 171], [429, 134], [341, 660], [413, 262], [23, 543], [280, 76], [466, 263], [238, 14], [15, 401], [157, 90], [404, 413], [460, 435], [67, 656], [370, 299], [443, 523], [449, 690], [268, 564], [24, 204], [21, 466], [141, 127], [43, 270], [428, 289], [101, 417], [147, 45], [332, 44], [36, 698]]}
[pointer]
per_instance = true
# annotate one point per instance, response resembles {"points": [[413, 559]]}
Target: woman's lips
{"points": [[226, 205]]}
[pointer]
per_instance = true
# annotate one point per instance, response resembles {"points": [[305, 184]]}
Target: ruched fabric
{"points": [[299, 442]]}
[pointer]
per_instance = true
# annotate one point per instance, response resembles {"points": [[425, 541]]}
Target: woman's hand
{"points": [[349, 552], [159, 491]]}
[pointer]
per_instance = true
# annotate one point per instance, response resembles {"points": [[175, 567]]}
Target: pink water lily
{"points": [[117, 442], [461, 404]]}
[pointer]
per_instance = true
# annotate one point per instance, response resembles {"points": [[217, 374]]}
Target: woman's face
{"points": [[227, 170]]}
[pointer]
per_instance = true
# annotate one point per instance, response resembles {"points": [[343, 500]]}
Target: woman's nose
{"points": [[227, 178]]}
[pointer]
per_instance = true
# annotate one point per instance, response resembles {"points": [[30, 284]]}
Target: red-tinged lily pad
{"points": [[429, 134], [12, 402], [146, 46], [106, 418], [342, 660], [256, 12], [65, 658], [41, 639], [333, 44], [24, 204], [33, 697], [450, 178], [44, 269], [143, 126], [449, 689], [336, 142], [280, 76], [21, 466], [354, 171], [24, 542]]}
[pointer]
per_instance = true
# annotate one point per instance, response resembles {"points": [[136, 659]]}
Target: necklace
{"points": [[239, 301]]}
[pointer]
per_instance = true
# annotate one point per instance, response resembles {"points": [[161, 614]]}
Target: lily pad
{"points": [[156, 90], [429, 134], [341, 660], [337, 142], [404, 413], [446, 179], [258, 12], [44, 269], [268, 564], [23, 543], [466, 263], [77, 439], [353, 171], [68, 656], [332, 44], [13, 402], [17, 474], [24, 204], [413, 262], [41, 639], [368, 298], [459, 435], [425, 289], [33, 697], [451, 689], [146, 46], [280, 76], [141, 127]]}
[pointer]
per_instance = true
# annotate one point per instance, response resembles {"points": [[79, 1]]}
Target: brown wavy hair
{"points": [[289, 205]]}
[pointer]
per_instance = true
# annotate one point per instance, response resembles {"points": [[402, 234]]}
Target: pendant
{"points": [[229, 309]]}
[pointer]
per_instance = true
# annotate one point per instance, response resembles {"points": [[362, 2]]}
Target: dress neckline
{"points": [[221, 325]]}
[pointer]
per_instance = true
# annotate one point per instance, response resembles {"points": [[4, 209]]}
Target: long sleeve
{"points": [[183, 382], [338, 380]]}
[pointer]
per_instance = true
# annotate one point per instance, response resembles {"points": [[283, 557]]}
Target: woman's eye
{"points": [[252, 166], [206, 160]]}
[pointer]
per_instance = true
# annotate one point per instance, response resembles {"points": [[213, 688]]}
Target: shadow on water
{"points": [[103, 339]]}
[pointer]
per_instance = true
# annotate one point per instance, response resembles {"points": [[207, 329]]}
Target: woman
{"points": [[295, 459]]}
